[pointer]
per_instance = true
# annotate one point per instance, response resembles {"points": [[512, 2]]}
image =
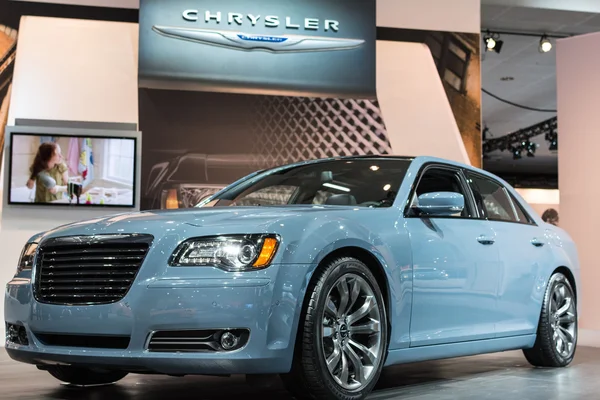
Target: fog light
{"points": [[12, 333], [23, 339], [16, 334], [229, 341]]}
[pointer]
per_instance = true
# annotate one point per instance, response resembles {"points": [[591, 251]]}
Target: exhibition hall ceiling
{"points": [[523, 75]]}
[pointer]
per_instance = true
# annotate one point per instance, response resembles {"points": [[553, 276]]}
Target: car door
{"points": [[523, 254], [455, 266]]}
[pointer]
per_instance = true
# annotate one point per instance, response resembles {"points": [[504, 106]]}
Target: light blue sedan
{"points": [[323, 272]]}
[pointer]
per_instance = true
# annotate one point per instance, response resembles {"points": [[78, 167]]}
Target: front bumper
{"points": [[268, 305]]}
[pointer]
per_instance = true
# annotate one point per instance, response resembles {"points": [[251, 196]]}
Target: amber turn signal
{"points": [[267, 252]]}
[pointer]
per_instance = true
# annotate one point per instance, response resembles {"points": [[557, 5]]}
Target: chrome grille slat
{"points": [[80, 296], [83, 281], [100, 250], [179, 339], [93, 289], [121, 267], [95, 258], [88, 269], [48, 275]]}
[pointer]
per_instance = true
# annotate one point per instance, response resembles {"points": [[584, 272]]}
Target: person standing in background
{"points": [[550, 216]]}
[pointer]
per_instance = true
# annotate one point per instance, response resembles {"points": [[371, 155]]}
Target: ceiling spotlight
{"points": [[553, 145], [530, 147], [516, 153], [545, 44], [492, 43]]}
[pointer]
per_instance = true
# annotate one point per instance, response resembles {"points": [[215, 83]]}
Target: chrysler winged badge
{"points": [[251, 42]]}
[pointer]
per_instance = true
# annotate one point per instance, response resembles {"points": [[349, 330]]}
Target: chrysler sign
{"points": [[270, 21], [320, 48], [245, 41]]}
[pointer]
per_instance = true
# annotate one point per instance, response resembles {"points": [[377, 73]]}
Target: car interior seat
{"points": [[341, 200]]}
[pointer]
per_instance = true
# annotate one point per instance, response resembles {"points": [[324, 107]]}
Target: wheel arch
{"points": [[374, 265], [566, 271], [571, 277]]}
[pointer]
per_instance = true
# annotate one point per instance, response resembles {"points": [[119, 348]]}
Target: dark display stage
{"points": [[491, 377]]}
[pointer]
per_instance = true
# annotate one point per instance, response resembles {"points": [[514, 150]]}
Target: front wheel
{"points": [[557, 330], [85, 377], [343, 334]]}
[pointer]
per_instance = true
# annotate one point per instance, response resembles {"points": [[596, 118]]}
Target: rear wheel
{"points": [[343, 336], [83, 376], [557, 330]]}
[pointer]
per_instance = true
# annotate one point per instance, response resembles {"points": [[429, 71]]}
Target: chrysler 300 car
{"points": [[323, 272]]}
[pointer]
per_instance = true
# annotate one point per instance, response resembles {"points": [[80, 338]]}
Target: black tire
{"points": [[310, 378], [83, 376], [544, 352]]}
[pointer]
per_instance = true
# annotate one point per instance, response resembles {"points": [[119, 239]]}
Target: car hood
{"points": [[216, 219]]}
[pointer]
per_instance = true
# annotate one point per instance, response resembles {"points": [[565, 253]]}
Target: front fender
{"points": [[378, 233], [565, 255]]}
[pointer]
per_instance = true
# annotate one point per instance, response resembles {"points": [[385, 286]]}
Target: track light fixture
{"points": [[545, 44], [516, 153], [530, 147], [552, 139], [492, 42], [521, 140]]}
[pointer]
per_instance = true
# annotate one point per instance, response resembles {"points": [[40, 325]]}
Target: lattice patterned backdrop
{"points": [[289, 129], [246, 133]]}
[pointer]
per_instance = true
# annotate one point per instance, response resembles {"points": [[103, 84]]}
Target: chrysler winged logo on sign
{"points": [[240, 40]]}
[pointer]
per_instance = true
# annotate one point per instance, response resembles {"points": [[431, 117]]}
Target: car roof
{"points": [[418, 159]]}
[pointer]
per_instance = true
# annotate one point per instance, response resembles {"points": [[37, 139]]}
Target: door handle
{"points": [[485, 240], [536, 242]]}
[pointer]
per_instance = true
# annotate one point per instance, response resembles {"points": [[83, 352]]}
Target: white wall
{"points": [[578, 84], [435, 15], [414, 104], [78, 70]]}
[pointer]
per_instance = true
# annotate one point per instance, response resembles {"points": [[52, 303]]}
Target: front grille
{"points": [[89, 341], [80, 270]]}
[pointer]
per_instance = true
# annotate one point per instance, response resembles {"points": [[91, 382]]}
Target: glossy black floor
{"points": [[499, 376]]}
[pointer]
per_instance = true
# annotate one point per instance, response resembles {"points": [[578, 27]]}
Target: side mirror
{"points": [[440, 204]]}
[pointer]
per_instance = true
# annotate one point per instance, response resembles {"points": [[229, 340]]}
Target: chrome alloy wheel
{"points": [[563, 320], [352, 337]]}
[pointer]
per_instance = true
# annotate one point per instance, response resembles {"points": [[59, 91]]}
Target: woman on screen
{"points": [[49, 172]]}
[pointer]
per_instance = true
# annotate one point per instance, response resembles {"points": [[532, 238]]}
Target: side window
{"points": [[521, 213], [441, 180], [492, 199]]}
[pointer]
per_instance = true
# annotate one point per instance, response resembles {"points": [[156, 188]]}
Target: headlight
{"points": [[27, 256], [234, 253]]}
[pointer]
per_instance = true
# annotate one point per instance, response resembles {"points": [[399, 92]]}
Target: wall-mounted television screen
{"points": [[91, 171]]}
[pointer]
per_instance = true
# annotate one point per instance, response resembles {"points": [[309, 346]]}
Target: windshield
{"points": [[358, 182]]}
